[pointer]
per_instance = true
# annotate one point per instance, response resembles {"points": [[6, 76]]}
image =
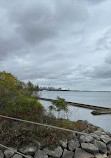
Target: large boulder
{"points": [[40, 154], [73, 144], [99, 133], [101, 146], [67, 154], [89, 148], [95, 136], [101, 155], [64, 143], [86, 139], [79, 153], [57, 152], [29, 149], [8, 153], [106, 139], [109, 148], [17, 156]]}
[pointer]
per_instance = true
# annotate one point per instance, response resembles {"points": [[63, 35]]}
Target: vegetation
{"points": [[59, 105], [16, 100], [14, 97]]}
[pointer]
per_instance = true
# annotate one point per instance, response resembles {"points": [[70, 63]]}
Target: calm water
{"points": [[75, 113]]}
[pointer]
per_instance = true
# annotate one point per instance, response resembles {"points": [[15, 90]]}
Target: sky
{"points": [[63, 43]]}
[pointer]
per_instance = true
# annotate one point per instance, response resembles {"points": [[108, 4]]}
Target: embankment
{"points": [[94, 145]]}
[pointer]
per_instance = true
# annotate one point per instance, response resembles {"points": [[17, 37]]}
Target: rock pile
{"points": [[97, 144], [93, 145]]}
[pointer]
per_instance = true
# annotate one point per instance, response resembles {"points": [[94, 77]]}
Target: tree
{"points": [[13, 96], [30, 86], [59, 105]]}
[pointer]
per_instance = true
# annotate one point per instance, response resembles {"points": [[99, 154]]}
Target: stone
{"points": [[100, 129], [1, 154], [109, 147], [101, 146], [29, 149], [73, 144], [67, 154], [108, 133], [100, 155], [40, 154], [8, 153], [79, 153], [63, 143], [89, 147], [86, 139], [95, 136], [57, 152], [99, 133], [30, 156], [106, 139], [17, 156]]}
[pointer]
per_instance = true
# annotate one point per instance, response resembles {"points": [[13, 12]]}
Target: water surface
{"points": [[75, 113]]}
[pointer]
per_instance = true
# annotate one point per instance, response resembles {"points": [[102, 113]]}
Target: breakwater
{"points": [[97, 109]]}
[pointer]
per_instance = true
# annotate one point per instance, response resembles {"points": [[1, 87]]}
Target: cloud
{"points": [[64, 43]]}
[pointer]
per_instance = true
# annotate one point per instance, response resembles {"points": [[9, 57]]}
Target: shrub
{"points": [[14, 98], [59, 105]]}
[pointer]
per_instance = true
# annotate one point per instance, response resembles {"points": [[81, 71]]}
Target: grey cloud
{"points": [[104, 43], [52, 41], [42, 21]]}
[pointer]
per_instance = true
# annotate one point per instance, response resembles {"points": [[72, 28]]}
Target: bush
{"points": [[59, 105], [14, 98]]}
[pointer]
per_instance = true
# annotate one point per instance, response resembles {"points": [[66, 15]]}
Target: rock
{"points": [[99, 133], [8, 153], [29, 156], [106, 139], [109, 147], [55, 153], [63, 143], [100, 155], [29, 150], [101, 146], [17, 156], [89, 147], [40, 154], [108, 133], [95, 136], [67, 154], [73, 144], [100, 129], [86, 139], [1, 154], [79, 153]]}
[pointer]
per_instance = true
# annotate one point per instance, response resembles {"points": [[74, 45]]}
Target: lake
{"points": [[75, 113]]}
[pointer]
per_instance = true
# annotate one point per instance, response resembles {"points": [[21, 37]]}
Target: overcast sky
{"points": [[64, 43]]}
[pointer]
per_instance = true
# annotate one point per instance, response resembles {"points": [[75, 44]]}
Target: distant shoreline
{"points": [[75, 90]]}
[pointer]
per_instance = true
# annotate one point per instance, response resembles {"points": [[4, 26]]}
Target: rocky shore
{"points": [[96, 144]]}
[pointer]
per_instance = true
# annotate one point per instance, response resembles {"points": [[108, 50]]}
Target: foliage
{"points": [[30, 87], [59, 105], [14, 97], [16, 101]]}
